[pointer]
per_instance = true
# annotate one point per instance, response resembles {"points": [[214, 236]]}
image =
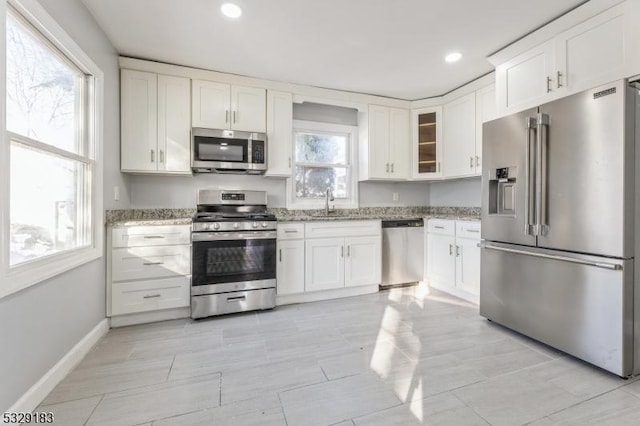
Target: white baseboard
{"points": [[314, 296], [39, 391], [473, 298], [153, 316]]}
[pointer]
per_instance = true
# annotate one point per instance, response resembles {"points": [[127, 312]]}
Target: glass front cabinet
{"points": [[427, 143]]}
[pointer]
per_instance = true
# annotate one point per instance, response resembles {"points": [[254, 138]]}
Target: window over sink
{"points": [[324, 156], [52, 175]]}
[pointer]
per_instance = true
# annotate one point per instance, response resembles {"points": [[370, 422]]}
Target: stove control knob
{"points": [[216, 226], [264, 224], [236, 225], [254, 224]]}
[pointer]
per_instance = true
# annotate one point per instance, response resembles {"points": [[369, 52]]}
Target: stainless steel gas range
{"points": [[233, 254]]}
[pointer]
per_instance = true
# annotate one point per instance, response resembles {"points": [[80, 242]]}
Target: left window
{"points": [[50, 118]]}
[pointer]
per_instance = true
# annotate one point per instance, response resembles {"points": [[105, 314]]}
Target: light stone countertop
{"points": [[153, 217]]}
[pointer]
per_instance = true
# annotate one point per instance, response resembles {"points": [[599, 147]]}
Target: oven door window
{"points": [[217, 262], [221, 149]]}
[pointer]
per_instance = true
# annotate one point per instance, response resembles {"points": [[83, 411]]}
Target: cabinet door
{"points": [[378, 158], [324, 264], [399, 142], [210, 104], [174, 124], [290, 268], [279, 133], [485, 111], [468, 265], [363, 261], [248, 109], [427, 134], [459, 137], [526, 80], [441, 260], [591, 53], [139, 114]]}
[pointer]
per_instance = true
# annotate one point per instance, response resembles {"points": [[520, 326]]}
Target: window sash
{"points": [[348, 142], [83, 207], [29, 273], [348, 179], [82, 86]]}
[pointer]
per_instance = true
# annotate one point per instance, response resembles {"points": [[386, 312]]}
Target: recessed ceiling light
{"points": [[453, 57], [231, 10]]}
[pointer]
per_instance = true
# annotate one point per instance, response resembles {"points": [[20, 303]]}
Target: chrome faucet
{"points": [[328, 196]]}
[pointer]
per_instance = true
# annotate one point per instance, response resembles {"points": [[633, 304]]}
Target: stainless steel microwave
{"points": [[228, 151]]}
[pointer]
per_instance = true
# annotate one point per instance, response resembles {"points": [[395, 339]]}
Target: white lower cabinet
{"points": [[319, 257], [324, 264], [441, 263], [149, 270], [453, 257], [362, 261], [290, 267]]}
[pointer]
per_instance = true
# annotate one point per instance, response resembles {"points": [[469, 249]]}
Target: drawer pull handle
{"points": [[153, 263], [290, 231], [153, 236], [151, 296], [439, 227], [236, 299], [473, 230]]}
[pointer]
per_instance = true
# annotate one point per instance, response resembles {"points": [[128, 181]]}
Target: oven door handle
{"points": [[227, 236]]}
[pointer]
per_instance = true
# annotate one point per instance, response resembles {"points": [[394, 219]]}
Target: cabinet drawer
{"points": [[163, 235], [351, 228], [141, 296], [290, 231], [441, 226], [468, 229], [139, 263]]}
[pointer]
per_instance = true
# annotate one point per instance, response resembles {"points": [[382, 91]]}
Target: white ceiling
{"points": [[391, 48]]}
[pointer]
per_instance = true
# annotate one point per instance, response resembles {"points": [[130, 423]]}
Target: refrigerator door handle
{"points": [[604, 265], [542, 133], [528, 192]]}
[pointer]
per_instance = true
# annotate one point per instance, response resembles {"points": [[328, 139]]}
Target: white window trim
{"points": [[22, 276], [294, 203]]}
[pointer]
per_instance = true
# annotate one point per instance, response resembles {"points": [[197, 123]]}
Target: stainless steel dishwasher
{"points": [[402, 251]]}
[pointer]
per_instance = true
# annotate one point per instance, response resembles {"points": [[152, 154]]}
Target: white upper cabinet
{"points": [[591, 53], [248, 109], [595, 51], [223, 106], [279, 133], [386, 155], [211, 104], [399, 142], [155, 123], [174, 124], [459, 138], [139, 118], [526, 79]]}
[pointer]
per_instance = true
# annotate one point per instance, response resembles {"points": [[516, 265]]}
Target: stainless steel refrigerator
{"points": [[558, 210]]}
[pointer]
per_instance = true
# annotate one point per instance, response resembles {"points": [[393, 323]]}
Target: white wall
{"points": [[380, 194], [41, 323], [180, 191], [455, 193]]}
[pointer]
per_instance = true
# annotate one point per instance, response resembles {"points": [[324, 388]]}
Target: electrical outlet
{"points": [[395, 196], [116, 193]]}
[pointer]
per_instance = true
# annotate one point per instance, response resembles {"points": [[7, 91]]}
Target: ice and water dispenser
{"points": [[502, 191]]}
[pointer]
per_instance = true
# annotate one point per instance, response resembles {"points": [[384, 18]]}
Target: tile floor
{"points": [[393, 358]]}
